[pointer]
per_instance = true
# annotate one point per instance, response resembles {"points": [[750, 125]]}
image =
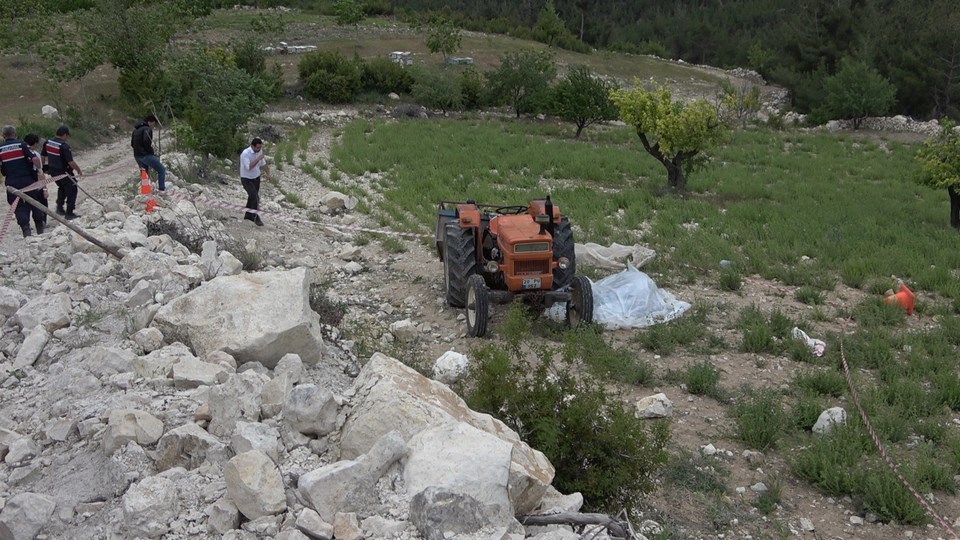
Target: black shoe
{"points": [[258, 221], [60, 211], [26, 230], [71, 215], [40, 227]]}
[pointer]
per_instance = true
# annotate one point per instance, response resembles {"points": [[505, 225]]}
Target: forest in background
{"points": [[915, 44]]}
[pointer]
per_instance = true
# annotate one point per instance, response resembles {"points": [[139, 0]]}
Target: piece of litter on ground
{"points": [[816, 346]]}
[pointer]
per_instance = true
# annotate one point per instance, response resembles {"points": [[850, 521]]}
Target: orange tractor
{"points": [[495, 253]]}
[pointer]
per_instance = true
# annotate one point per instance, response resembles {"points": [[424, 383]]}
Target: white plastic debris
{"points": [[816, 346], [630, 299]]}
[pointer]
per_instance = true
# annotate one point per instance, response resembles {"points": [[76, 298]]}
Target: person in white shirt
{"points": [[252, 162]]}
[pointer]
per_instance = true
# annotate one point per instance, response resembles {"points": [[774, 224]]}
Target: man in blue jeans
{"points": [[142, 143]]}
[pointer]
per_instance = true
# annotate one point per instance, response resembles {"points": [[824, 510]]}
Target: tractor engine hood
{"points": [[512, 230]]}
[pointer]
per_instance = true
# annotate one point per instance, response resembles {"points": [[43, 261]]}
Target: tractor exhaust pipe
{"points": [[548, 208]]}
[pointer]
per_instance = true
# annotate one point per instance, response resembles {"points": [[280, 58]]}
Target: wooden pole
{"points": [[616, 528], [112, 250]]}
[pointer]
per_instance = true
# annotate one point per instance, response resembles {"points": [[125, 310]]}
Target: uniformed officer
{"points": [[59, 159], [20, 167]]}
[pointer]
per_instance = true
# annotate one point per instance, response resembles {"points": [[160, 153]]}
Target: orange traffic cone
{"points": [[904, 298], [145, 188], [151, 204]]}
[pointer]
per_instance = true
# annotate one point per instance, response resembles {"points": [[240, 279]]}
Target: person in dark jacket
{"points": [[142, 143], [40, 195], [59, 158], [19, 166]]}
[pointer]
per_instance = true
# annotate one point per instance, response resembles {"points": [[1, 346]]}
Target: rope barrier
{"points": [[883, 450]]}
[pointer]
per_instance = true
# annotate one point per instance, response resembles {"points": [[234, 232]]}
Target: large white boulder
{"points": [[391, 396], [249, 316], [24, 515], [125, 425], [149, 506], [52, 312], [828, 419], [254, 485]]}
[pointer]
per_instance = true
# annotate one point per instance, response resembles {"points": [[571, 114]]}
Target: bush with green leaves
{"points": [[437, 89], [348, 12], [443, 36], [330, 77], [760, 419], [472, 88], [598, 447], [522, 80], [583, 98], [855, 92], [383, 75], [215, 99]]}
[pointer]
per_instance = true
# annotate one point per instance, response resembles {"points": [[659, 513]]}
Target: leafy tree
{"points": [[550, 27], [583, 98], [215, 99], [673, 132], [443, 36], [384, 76], [522, 79], [738, 102], [471, 85], [437, 89], [939, 160], [348, 12], [856, 92]]}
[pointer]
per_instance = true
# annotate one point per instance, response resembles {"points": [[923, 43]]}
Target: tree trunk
{"points": [[580, 126], [954, 207], [675, 177], [582, 17]]}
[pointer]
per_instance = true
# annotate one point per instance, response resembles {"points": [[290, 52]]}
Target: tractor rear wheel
{"points": [[580, 306], [459, 262], [478, 306], [563, 246]]}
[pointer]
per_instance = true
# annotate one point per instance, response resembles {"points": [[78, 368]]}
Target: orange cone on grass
{"points": [[904, 298]]}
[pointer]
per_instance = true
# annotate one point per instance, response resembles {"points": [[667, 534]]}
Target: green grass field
{"points": [[766, 200]]}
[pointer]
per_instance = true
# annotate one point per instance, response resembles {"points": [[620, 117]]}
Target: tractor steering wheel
{"points": [[516, 210]]}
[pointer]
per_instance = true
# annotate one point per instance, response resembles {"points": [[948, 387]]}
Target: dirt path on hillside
{"points": [[408, 285]]}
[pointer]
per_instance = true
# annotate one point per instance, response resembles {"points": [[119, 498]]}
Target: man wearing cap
{"points": [[19, 166], [142, 143], [59, 160]]}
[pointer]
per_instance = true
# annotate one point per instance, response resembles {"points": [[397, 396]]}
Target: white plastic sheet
{"points": [[631, 299], [614, 256]]}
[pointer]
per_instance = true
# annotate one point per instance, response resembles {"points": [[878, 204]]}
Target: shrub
{"points": [[829, 462], [437, 89], [702, 379], [471, 88], [885, 496], [329, 76], [384, 76], [760, 419], [824, 383], [588, 346], [730, 280], [809, 295], [597, 445]]}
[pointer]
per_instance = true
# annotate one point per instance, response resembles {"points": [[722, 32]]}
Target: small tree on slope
{"points": [[939, 160], [673, 132]]}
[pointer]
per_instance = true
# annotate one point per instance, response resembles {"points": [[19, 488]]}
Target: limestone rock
{"points": [[553, 502], [10, 301], [49, 111], [291, 365], [159, 363], [391, 396], [220, 357], [254, 485], [149, 506], [345, 527], [228, 265], [256, 436], [349, 485], [291, 534], [21, 450], [450, 367], [655, 406], [273, 395], [222, 516], [125, 425], [459, 458], [404, 330], [311, 524], [828, 419], [310, 410], [25, 515], [191, 373], [52, 312], [249, 316], [32, 347], [188, 446], [334, 200], [149, 339], [436, 513], [104, 361], [236, 399], [380, 527]]}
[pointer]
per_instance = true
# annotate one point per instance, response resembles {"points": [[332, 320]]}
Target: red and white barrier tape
{"points": [[216, 203], [8, 219], [883, 450]]}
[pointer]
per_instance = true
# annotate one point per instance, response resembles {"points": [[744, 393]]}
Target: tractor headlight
{"points": [[563, 263], [493, 266]]}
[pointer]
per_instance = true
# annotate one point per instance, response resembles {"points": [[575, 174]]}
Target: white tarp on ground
{"points": [[614, 256], [631, 299]]}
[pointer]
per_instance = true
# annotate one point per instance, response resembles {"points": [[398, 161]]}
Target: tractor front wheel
{"points": [[478, 306], [459, 262], [580, 306]]}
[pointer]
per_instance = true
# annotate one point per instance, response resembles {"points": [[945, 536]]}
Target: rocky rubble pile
{"points": [[171, 394]]}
